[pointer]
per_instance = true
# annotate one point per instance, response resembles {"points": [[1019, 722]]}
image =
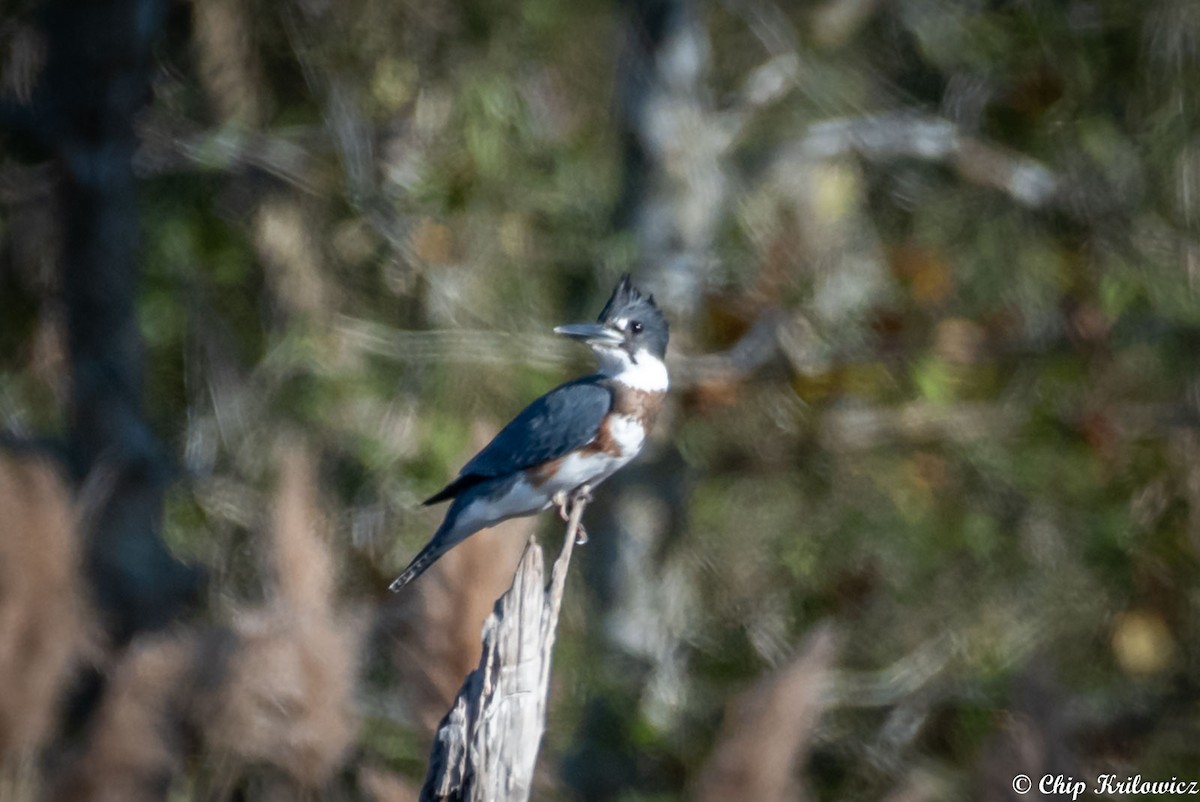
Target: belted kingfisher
{"points": [[573, 437]]}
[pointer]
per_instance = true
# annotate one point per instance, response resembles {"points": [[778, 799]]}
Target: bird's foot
{"points": [[565, 503]]}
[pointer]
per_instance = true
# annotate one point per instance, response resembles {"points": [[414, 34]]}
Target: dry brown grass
{"points": [[43, 629], [768, 728], [135, 745], [277, 690], [289, 697]]}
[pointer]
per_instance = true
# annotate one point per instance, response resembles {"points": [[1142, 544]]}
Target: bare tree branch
{"points": [[904, 134]]}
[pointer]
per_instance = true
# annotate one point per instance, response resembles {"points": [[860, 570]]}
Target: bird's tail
{"points": [[442, 541]]}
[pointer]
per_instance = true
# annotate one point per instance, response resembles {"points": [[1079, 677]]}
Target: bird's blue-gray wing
{"points": [[564, 419]]}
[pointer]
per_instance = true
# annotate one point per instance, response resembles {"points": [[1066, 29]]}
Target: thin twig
{"points": [[558, 576]]}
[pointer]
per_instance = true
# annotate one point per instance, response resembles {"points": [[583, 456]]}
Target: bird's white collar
{"points": [[644, 371]]}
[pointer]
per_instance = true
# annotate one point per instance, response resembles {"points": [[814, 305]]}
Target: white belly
{"points": [[593, 468]]}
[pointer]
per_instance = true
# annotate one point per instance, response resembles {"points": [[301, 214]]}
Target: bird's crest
{"points": [[625, 298]]}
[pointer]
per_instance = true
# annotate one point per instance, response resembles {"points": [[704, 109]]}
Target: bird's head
{"points": [[630, 329]]}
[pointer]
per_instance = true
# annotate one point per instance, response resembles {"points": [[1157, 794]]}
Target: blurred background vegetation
{"points": [[924, 512]]}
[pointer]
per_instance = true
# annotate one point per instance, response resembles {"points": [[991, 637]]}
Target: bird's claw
{"points": [[559, 500], [566, 503]]}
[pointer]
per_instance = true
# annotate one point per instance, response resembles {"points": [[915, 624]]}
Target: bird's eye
{"points": [[636, 327]]}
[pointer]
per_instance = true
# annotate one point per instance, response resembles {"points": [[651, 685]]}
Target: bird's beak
{"points": [[592, 334]]}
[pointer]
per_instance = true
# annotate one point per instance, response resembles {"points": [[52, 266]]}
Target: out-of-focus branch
{"points": [[774, 334], [868, 427], [864, 428], [291, 154], [907, 135], [170, 147], [917, 671], [486, 747], [451, 346], [288, 154], [889, 135]]}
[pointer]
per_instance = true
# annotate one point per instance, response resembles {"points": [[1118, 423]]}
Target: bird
{"points": [[568, 441]]}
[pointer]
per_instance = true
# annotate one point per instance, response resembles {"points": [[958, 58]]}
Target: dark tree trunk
{"points": [[96, 79]]}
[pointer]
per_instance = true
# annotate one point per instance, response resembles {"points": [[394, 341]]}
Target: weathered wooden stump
{"points": [[486, 746]]}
